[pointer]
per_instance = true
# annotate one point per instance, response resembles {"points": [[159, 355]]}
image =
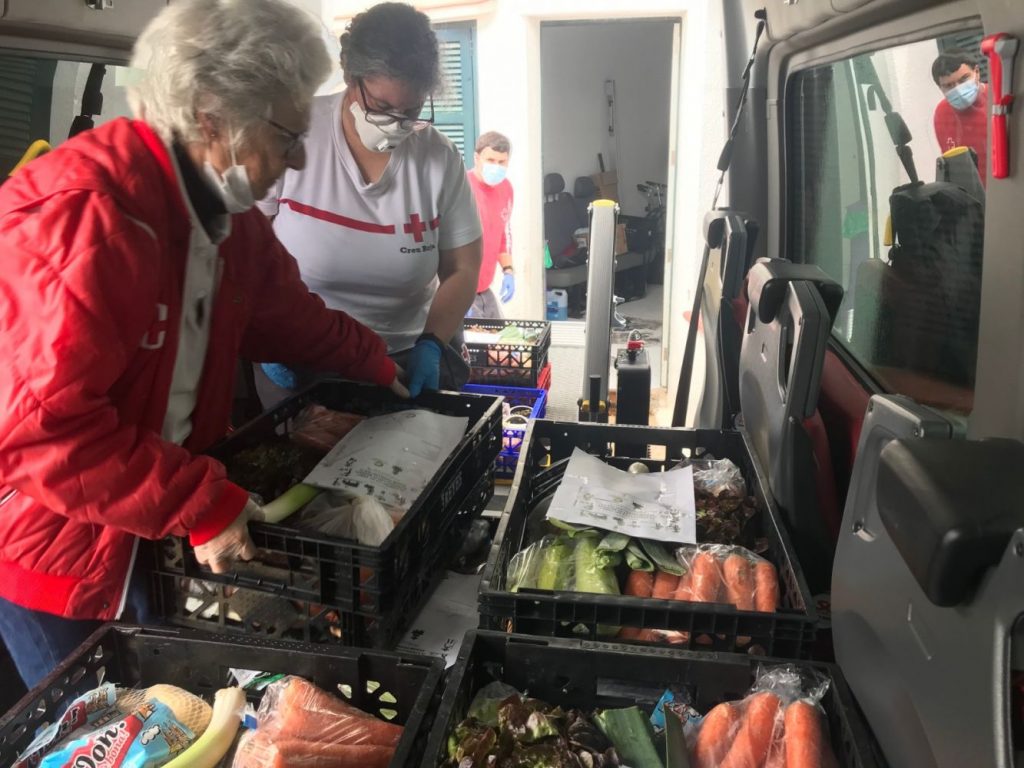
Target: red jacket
{"points": [[93, 240], [968, 128], [495, 207]]}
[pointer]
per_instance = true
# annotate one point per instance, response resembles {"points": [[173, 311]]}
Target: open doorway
{"points": [[606, 114]]}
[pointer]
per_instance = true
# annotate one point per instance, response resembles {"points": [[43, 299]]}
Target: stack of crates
{"points": [[509, 364], [522, 406]]}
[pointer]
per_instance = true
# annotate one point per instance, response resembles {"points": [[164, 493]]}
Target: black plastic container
{"points": [[587, 675], [398, 688], [328, 573], [200, 603], [509, 365], [787, 633]]}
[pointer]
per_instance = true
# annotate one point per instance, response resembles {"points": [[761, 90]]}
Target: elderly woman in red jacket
{"points": [[135, 272]]}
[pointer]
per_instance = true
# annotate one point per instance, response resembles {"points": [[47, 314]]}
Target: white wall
{"points": [[576, 60]]}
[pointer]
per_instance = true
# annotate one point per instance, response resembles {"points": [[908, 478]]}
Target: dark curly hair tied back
{"points": [[392, 40]]}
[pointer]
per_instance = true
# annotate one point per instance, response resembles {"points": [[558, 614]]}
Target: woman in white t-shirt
{"points": [[382, 220]]}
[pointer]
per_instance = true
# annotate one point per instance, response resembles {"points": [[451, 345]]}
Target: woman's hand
{"points": [[425, 365], [233, 543]]}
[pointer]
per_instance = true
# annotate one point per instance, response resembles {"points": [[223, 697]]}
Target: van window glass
{"points": [[908, 255], [40, 97]]}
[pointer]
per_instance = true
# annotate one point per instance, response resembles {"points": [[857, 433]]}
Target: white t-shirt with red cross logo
{"points": [[371, 250]]}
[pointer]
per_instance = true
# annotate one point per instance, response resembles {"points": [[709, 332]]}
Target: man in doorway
{"points": [[960, 118], [494, 202]]}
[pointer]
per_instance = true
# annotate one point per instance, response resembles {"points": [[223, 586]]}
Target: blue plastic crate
{"points": [[512, 437]]}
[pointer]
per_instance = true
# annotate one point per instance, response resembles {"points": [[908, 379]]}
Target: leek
{"points": [[662, 557], [630, 733], [289, 502], [555, 562]]}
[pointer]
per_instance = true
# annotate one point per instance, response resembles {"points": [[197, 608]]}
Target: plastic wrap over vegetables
{"points": [[140, 728], [302, 726], [362, 518], [780, 724], [715, 573], [584, 562]]}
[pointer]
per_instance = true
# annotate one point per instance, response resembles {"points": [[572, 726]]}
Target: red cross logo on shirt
{"points": [[416, 227]]}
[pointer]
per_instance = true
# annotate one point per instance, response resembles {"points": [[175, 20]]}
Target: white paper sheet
{"points": [[449, 613], [657, 506], [391, 458]]}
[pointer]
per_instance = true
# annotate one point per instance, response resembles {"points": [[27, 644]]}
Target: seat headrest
{"points": [[553, 183], [767, 281], [584, 188]]}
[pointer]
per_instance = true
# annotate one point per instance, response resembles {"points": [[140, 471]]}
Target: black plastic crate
{"points": [[509, 365], [398, 688], [788, 633], [307, 566], [203, 604], [589, 675]]}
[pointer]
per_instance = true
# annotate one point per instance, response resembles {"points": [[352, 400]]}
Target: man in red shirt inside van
{"points": [[960, 118], [493, 194]]}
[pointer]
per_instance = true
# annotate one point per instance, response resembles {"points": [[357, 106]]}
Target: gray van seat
{"points": [[781, 360]]}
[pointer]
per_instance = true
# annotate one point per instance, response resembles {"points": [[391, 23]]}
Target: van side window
{"points": [[909, 255], [40, 97]]}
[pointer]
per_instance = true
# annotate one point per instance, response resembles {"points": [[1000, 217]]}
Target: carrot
{"points": [[303, 711], [639, 584], [664, 586], [804, 737], [262, 751], [739, 582], [707, 581], [684, 591], [754, 738], [766, 595], [715, 735]]}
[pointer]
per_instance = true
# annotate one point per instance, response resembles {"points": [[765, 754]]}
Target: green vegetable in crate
{"points": [[630, 732], [528, 733], [661, 556], [289, 502], [529, 720], [593, 571], [636, 558], [556, 564]]}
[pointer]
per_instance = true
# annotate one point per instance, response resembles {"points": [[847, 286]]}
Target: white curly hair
{"points": [[231, 59]]}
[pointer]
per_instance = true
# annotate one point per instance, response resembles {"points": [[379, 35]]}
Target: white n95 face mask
{"points": [[233, 185], [378, 138]]}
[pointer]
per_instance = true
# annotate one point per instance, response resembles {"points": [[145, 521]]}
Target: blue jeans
{"points": [[39, 641]]}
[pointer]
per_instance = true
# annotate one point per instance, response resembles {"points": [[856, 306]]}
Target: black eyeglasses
{"points": [[381, 117], [295, 139]]}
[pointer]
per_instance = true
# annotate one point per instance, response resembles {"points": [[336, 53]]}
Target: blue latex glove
{"points": [[281, 375], [424, 367], [508, 287]]}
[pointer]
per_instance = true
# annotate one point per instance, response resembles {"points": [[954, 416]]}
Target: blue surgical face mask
{"points": [[493, 174], [964, 95]]}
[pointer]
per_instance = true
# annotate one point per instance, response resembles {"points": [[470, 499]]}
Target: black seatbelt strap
{"points": [[92, 101]]}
